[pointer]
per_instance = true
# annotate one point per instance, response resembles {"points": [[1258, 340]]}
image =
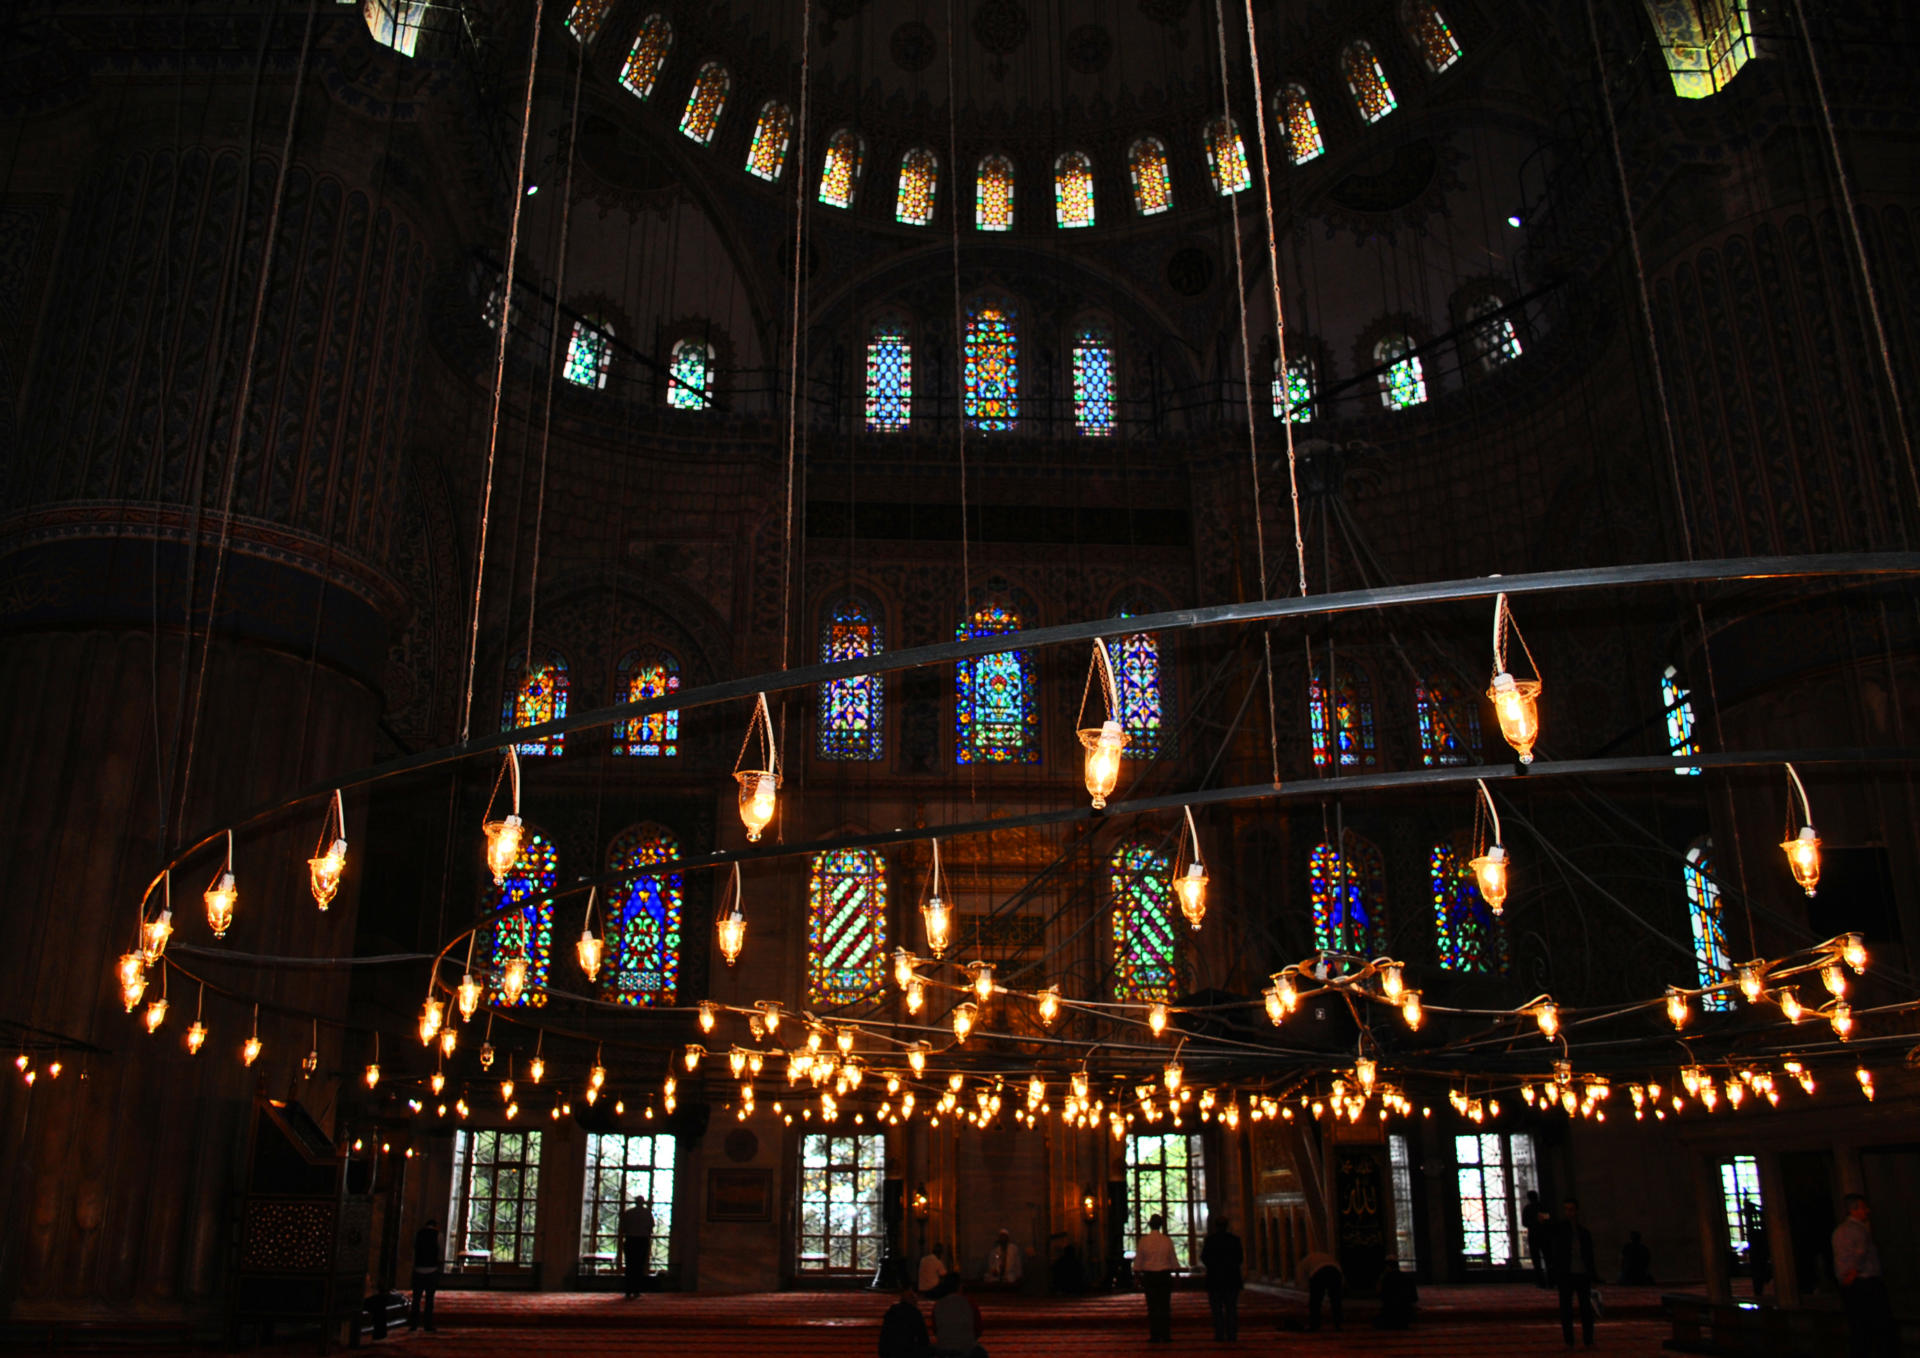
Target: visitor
{"points": [[1003, 1262], [1759, 1251], [1399, 1295], [1222, 1257], [1537, 1222], [1154, 1261], [1871, 1332], [903, 1330], [1636, 1262], [1321, 1275], [1570, 1257], [936, 1279], [426, 1274], [957, 1325], [636, 1238]]}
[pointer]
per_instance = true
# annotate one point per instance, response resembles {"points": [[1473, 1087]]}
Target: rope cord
{"points": [[793, 340]]}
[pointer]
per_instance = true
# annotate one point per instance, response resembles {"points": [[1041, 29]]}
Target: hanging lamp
{"points": [[1191, 885], [373, 1067], [536, 1068], [504, 835], [197, 1032], [759, 783], [1516, 702], [589, 949], [1490, 867], [311, 1061], [1803, 849], [330, 855], [732, 927], [1103, 743], [936, 913], [222, 895], [155, 932], [250, 1049]]}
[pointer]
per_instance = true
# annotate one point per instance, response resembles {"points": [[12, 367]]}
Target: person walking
{"points": [[1222, 1256], [1570, 1257], [426, 1274], [903, 1330], [1863, 1289], [1321, 1275], [636, 1240], [1154, 1261]]}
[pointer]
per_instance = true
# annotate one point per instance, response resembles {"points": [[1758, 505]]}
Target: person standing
{"points": [[426, 1274], [1321, 1275], [903, 1330], [636, 1240], [1154, 1261], [1863, 1289], [1003, 1261], [1570, 1257], [1222, 1257]]}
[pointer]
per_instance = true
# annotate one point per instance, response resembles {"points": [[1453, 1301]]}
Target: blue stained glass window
{"points": [[1678, 703], [1349, 897], [589, 355], [889, 377], [1294, 401], [648, 672], [528, 931], [1136, 666], [992, 371], [690, 376], [994, 712], [1466, 934], [1093, 382], [536, 696], [852, 712], [1403, 384], [644, 919], [1449, 726], [1143, 932], [1350, 722], [1708, 918], [846, 926]]}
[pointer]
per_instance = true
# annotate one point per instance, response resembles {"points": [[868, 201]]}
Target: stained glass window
{"points": [[1709, 923], [1349, 898], [1136, 670], [1466, 935], [1147, 166], [396, 23], [919, 181], [644, 673], [1432, 36], [535, 696], [1367, 81], [1493, 339], [1092, 382], [1294, 401], [1402, 384], [589, 355], [889, 377], [993, 194], [992, 369], [1073, 190], [528, 931], [772, 134], [1227, 156], [1706, 42], [706, 102], [1449, 724], [644, 918], [840, 175], [1298, 125], [1678, 704], [852, 712], [649, 54], [1351, 717], [1143, 914], [846, 926], [690, 376], [585, 17], [995, 718]]}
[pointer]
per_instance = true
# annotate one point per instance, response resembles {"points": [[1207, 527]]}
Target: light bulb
{"points": [[1391, 981], [1411, 1011], [513, 979], [1490, 875], [843, 1039], [1853, 951], [486, 1056], [1172, 1076], [506, 1091], [982, 981], [156, 1014], [1840, 1015], [597, 1076], [963, 1017], [1517, 704], [902, 967], [1752, 979], [503, 846], [1036, 1090], [1678, 1011], [759, 791], [1803, 858], [1547, 1015], [221, 898], [460, 1107], [250, 1050], [1276, 1007], [1157, 1018], [1049, 1005], [1864, 1076], [323, 873], [310, 1062], [938, 917], [437, 1083], [1103, 747], [373, 1075], [1365, 1070], [154, 934], [1192, 890], [733, 935], [1834, 979], [196, 1037], [770, 1010], [132, 971], [431, 1013], [587, 949], [467, 996], [449, 1039], [917, 1058], [736, 1061], [537, 1069], [709, 1015], [694, 1051], [916, 996]]}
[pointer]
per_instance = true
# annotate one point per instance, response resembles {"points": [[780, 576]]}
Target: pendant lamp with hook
{"points": [[760, 781], [1516, 702]]}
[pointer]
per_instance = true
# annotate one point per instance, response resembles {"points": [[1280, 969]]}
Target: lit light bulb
{"points": [[1157, 1018], [1853, 951], [1411, 1011], [431, 1013], [156, 1014], [1365, 1070], [196, 1037], [323, 873], [1103, 747], [503, 846], [537, 1069], [733, 935], [467, 996], [1490, 875], [486, 1053], [221, 898], [759, 791], [1192, 890], [513, 979], [1391, 980], [1803, 858], [770, 1011], [373, 1076], [459, 1106], [132, 971], [437, 1083], [938, 917], [1276, 1007], [449, 1039], [1517, 704], [1049, 1005], [917, 1059], [1171, 1077], [588, 950], [1840, 1015], [902, 967], [154, 934], [1036, 1090], [916, 996], [982, 981], [1547, 1015], [506, 1091], [1752, 979], [1678, 1011], [1864, 1076], [597, 1077], [310, 1063], [694, 1051], [736, 1060], [843, 1039], [1834, 979]]}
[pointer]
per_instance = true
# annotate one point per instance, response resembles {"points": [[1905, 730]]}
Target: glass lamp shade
{"points": [[917, 1058], [1853, 951], [1834, 979], [537, 1069], [937, 915], [733, 935], [694, 1052], [250, 1051], [373, 1074], [1157, 1018], [1036, 1091], [1490, 875], [449, 1039], [196, 1037], [1365, 1070], [708, 1016], [431, 1013], [1103, 744], [902, 967], [983, 981], [323, 873], [1790, 1006], [1752, 980], [1678, 1011], [1803, 857], [916, 996], [963, 1017], [132, 972], [736, 1061], [467, 996], [311, 1063], [437, 1083], [486, 1056], [503, 845], [759, 791], [1411, 1010], [1172, 1076], [1049, 1005], [588, 951], [843, 1039], [221, 898], [154, 934], [1191, 887], [156, 1014], [513, 979], [1392, 982], [1516, 702], [1276, 1007], [1840, 1015], [1548, 1017], [597, 1077]]}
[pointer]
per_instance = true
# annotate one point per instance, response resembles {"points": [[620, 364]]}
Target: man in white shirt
{"points": [[1003, 1261], [934, 1273], [1871, 1331], [1154, 1262]]}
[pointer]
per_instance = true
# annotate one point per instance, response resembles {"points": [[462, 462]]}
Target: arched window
{"points": [[535, 696], [852, 711], [643, 918], [396, 23], [1431, 35], [690, 376], [846, 926], [1466, 934], [648, 672], [1708, 917], [1092, 381], [1349, 897], [1402, 383], [1449, 723], [1706, 42], [991, 372], [840, 174], [585, 17], [993, 194], [589, 355], [1147, 167], [1227, 157], [1073, 190], [1298, 125], [889, 376], [1349, 724], [772, 134], [1367, 81], [1294, 401], [995, 719], [1143, 932], [706, 102], [1491, 337], [528, 931], [1678, 705], [1136, 671], [919, 183], [649, 54]]}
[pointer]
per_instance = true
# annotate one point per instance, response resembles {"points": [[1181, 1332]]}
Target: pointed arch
{"points": [[644, 918], [993, 193], [647, 672], [1366, 81], [584, 18], [1227, 157], [1147, 168], [1449, 722], [1403, 382], [772, 135], [535, 695], [690, 376], [1298, 127], [528, 931], [991, 371], [589, 354], [889, 374], [846, 926], [1431, 34], [1708, 919], [1140, 887], [641, 71], [852, 717], [706, 102], [913, 203], [1073, 190], [996, 717], [1349, 891], [840, 172], [1093, 412]]}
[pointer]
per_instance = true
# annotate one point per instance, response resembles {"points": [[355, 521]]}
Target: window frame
{"points": [[467, 1165], [593, 1200], [872, 1232], [1190, 1231]]}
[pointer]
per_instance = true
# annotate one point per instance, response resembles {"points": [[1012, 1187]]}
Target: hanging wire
{"points": [[793, 340]]}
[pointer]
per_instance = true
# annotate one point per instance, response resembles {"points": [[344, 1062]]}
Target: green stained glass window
{"points": [[919, 181], [846, 926], [851, 710], [993, 194], [706, 102], [690, 376], [648, 55], [1073, 190], [1293, 399], [767, 156], [1227, 157], [1449, 724], [1147, 167], [1298, 126], [991, 373], [889, 377], [1466, 934], [528, 931], [1140, 878], [995, 716], [589, 355], [1093, 382], [1349, 893], [644, 919], [1367, 82], [1402, 382]]}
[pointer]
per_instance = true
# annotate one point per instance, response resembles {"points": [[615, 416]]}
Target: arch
{"points": [[1403, 383], [991, 369], [1706, 42], [1293, 399], [1293, 110], [840, 171], [996, 716], [1227, 157], [1093, 405], [1431, 34], [528, 931], [1366, 81], [993, 193], [846, 926], [889, 374], [1449, 723], [1349, 891], [589, 354], [1348, 727], [706, 102], [647, 672], [1073, 190], [1140, 883], [772, 135], [641, 70], [536, 696], [1707, 918], [1467, 936], [1147, 168], [1492, 340], [584, 18], [1676, 702], [690, 374], [852, 716], [919, 187], [644, 918]]}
